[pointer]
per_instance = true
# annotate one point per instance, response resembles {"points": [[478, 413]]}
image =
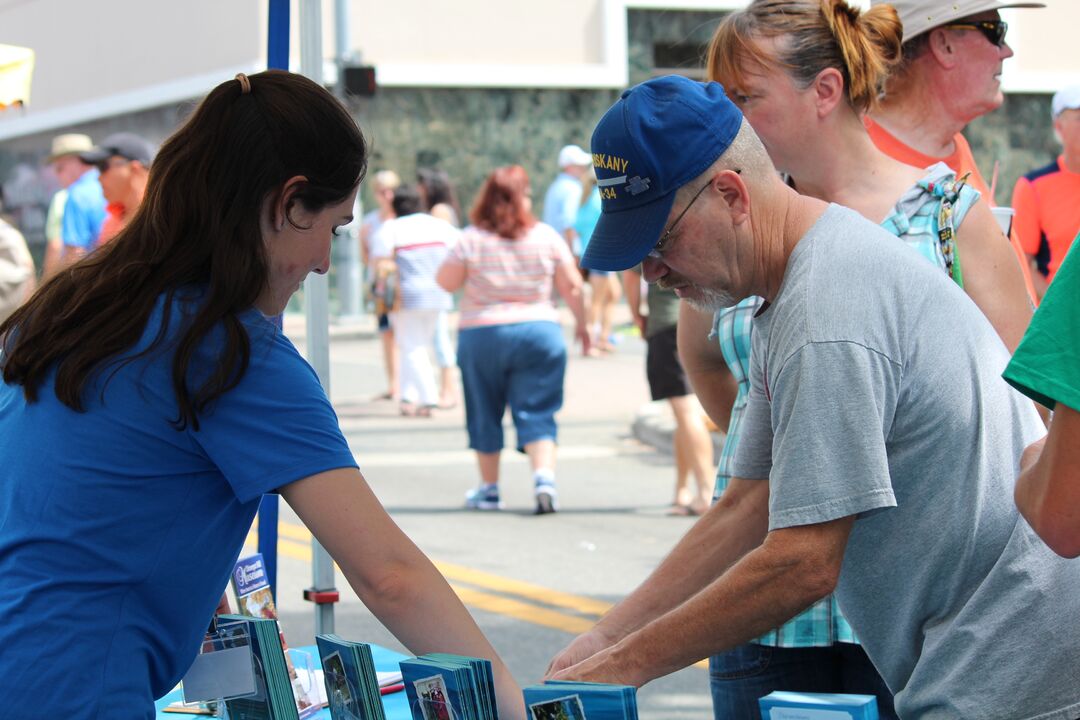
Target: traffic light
{"points": [[360, 80]]}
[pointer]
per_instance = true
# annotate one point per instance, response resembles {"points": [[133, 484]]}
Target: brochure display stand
{"points": [[395, 705]]}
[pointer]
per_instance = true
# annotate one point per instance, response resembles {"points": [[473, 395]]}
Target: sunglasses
{"points": [[992, 30], [110, 162]]}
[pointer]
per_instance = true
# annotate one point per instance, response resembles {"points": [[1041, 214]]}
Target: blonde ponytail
{"points": [[818, 34]]}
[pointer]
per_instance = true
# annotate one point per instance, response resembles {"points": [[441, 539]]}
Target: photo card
{"points": [[564, 708], [433, 698]]}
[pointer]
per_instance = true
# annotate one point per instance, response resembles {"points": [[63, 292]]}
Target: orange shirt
{"points": [[962, 162], [1047, 203], [115, 220]]}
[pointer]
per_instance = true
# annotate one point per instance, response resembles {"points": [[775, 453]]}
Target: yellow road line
{"points": [[583, 605], [294, 542], [526, 612], [460, 573]]}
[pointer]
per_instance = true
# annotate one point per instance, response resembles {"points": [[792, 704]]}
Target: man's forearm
{"points": [[763, 590], [730, 529]]}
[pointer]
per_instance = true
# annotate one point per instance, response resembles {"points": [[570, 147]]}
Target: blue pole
{"points": [[277, 57], [277, 48]]}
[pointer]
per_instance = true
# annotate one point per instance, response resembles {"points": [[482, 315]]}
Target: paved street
{"points": [[532, 583]]}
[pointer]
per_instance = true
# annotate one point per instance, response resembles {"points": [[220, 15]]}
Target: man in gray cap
{"points": [[951, 74], [123, 161], [879, 447]]}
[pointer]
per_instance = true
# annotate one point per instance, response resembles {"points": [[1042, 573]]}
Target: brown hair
{"points": [[500, 204], [197, 227], [818, 34]]}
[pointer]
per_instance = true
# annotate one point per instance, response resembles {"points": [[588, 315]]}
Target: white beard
{"points": [[707, 300]]}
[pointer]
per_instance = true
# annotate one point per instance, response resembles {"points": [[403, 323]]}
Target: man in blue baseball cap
{"points": [[878, 449]]}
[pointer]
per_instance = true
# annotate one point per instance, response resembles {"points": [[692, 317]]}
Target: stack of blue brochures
{"points": [[449, 687], [273, 698], [559, 700], [352, 687]]}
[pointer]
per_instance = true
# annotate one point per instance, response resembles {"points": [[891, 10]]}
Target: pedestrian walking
{"points": [[385, 183], [563, 196], [418, 243], [692, 444], [510, 344], [439, 200]]}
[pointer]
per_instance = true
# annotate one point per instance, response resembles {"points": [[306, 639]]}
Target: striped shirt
{"points": [[419, 243], [509, 281]]}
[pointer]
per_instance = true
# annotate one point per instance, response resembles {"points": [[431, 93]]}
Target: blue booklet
{"points": [[441, 686], [352, 686], [779, 705], [561, 700]]}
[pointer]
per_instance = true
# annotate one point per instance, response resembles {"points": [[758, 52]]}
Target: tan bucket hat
{"points": [[70, 144]]}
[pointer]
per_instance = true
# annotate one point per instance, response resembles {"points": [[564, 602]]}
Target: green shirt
{"points": [[1046, 365], [54, 220], [663, 308]]}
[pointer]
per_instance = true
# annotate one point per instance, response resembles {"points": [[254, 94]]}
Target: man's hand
{"points": [[582, 648], [605, 666]]}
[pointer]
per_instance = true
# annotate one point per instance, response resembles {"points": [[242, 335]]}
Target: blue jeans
{"points": [[521, 365], [740, 676]]}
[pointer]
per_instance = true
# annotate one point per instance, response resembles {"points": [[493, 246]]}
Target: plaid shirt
{"points": [[822, 624]]}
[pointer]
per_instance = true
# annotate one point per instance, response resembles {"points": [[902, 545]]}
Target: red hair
{"points": [[500, 206]]}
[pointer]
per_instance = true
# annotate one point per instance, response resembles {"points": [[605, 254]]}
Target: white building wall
{"points": [[99, 58]]}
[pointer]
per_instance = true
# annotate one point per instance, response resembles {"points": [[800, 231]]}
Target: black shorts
{"points": [[667, 378]]}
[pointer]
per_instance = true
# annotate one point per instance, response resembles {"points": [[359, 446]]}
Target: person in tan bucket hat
{"points": [[78, 209], [65, 162], [950, 74]]}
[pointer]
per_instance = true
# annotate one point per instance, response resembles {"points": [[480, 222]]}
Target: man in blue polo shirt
{"points": [[563, 197], [84, 212]]}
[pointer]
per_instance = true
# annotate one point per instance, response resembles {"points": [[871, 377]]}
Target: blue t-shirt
{"points": [[561, 202], [84, 212], [588, 215], [118, 532]]}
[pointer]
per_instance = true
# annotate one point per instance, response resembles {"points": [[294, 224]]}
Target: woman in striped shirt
{"points": [[511, 349]]}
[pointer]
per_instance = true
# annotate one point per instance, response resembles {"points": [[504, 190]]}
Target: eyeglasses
{"points": [[992, 30], [659, 247], [110, 162]]}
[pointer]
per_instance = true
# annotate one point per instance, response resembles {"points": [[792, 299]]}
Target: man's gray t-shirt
{"points": [[877, 392]]}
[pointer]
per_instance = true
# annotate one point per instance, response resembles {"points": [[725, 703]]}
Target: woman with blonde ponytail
{"points": [[804, 72]]}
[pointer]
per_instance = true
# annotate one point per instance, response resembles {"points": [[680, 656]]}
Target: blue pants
{"points": [[742, 675], [521, 365]]}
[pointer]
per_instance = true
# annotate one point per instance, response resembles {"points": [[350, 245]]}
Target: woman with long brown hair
{"points": [[511, 349], [148, 402]]}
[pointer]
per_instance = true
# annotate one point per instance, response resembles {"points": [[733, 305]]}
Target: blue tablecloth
{"points": [[396, 705]]}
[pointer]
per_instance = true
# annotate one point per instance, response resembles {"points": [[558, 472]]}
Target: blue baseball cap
{"points": [[657, 137]]}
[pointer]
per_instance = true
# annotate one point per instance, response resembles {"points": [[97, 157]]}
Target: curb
{"points": [[654, 425]]}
